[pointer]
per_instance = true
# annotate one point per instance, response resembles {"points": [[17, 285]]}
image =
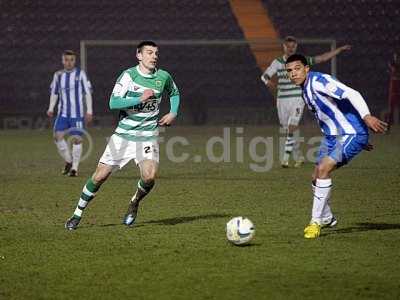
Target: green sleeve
{"points": [[171, 87], [310, 60], [117, 102], [174, 103]]}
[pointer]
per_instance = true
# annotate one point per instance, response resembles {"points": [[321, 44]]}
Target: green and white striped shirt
{"points": [[286, 89], [141, 120]]}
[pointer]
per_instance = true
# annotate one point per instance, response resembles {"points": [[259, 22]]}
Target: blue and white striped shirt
{"points": [[70, 87], [338, 108]]}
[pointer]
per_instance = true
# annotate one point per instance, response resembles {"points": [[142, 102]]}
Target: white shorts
{"points": [[120, 151], [290, 111]]}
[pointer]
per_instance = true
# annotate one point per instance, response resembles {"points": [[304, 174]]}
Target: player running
{"points": [[138, 92], [289, 103], [344, 119], [68, 87]]}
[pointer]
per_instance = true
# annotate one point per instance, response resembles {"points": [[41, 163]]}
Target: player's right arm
{"points": [[119, 98], [269, 73], [54, 89], [339, 91]]}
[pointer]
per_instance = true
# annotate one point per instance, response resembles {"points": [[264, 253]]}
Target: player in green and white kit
{"points": [[289, 101], [138, 93]]}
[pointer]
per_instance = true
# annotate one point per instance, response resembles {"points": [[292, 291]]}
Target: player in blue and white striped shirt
{"points": [[344, 118], [68, 87]]}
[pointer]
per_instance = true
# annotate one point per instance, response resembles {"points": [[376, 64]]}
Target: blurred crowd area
{"points": [[219, 83]]}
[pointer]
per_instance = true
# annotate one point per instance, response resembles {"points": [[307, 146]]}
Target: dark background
{"points": [[219, 84]]}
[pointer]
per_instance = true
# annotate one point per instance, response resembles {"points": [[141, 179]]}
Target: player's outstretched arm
{"points": [[329, 55], [375, 124]]}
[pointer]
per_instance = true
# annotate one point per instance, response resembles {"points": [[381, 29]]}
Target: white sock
{"points": [[76, 155], [322, 193], [326, 211], [80, 207], [63, 150]]}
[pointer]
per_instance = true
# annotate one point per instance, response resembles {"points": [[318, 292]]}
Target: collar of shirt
{"points": [[151, 75], [70, 71]]}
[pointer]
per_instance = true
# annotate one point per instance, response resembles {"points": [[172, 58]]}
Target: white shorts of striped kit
{"points": [[120, 151], [290, 111]]}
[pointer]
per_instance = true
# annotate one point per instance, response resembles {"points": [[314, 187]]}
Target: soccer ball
{"points": [[240, 231]]}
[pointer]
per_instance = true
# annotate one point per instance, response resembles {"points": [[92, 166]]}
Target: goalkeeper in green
{"points": [[138, 92]]}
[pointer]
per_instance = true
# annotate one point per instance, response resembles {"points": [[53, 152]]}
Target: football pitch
{"points": [[178, 249]]}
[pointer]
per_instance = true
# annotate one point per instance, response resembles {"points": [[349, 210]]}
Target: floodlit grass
{"points": [[178, 248]]}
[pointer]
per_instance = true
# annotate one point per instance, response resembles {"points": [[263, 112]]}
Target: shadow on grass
{"points": [[360, 227], [169, 221], [109, 225], [114, 224], [247, 245], [188, 219]]}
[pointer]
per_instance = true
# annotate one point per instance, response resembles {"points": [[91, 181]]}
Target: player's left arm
{"points": [[174, 99], [329, 55], [339, 91], [87, 91]]}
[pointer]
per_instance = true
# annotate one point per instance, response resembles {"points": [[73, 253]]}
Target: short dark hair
{"points": [[297, 57], [145, 43], [69, 52], [290, 38]]}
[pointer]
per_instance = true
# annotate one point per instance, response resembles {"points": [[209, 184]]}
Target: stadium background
{"points": [[178, 249], [219, 84]]}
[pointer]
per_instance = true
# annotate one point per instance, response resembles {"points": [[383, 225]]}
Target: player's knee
{"points": [[323, 171], [100, 176], [149, 175]]}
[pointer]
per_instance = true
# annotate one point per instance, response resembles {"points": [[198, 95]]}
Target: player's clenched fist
{"points": [[147, 95]]}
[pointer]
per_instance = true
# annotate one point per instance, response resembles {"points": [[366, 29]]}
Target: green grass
{"points": [[178, 248]]}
